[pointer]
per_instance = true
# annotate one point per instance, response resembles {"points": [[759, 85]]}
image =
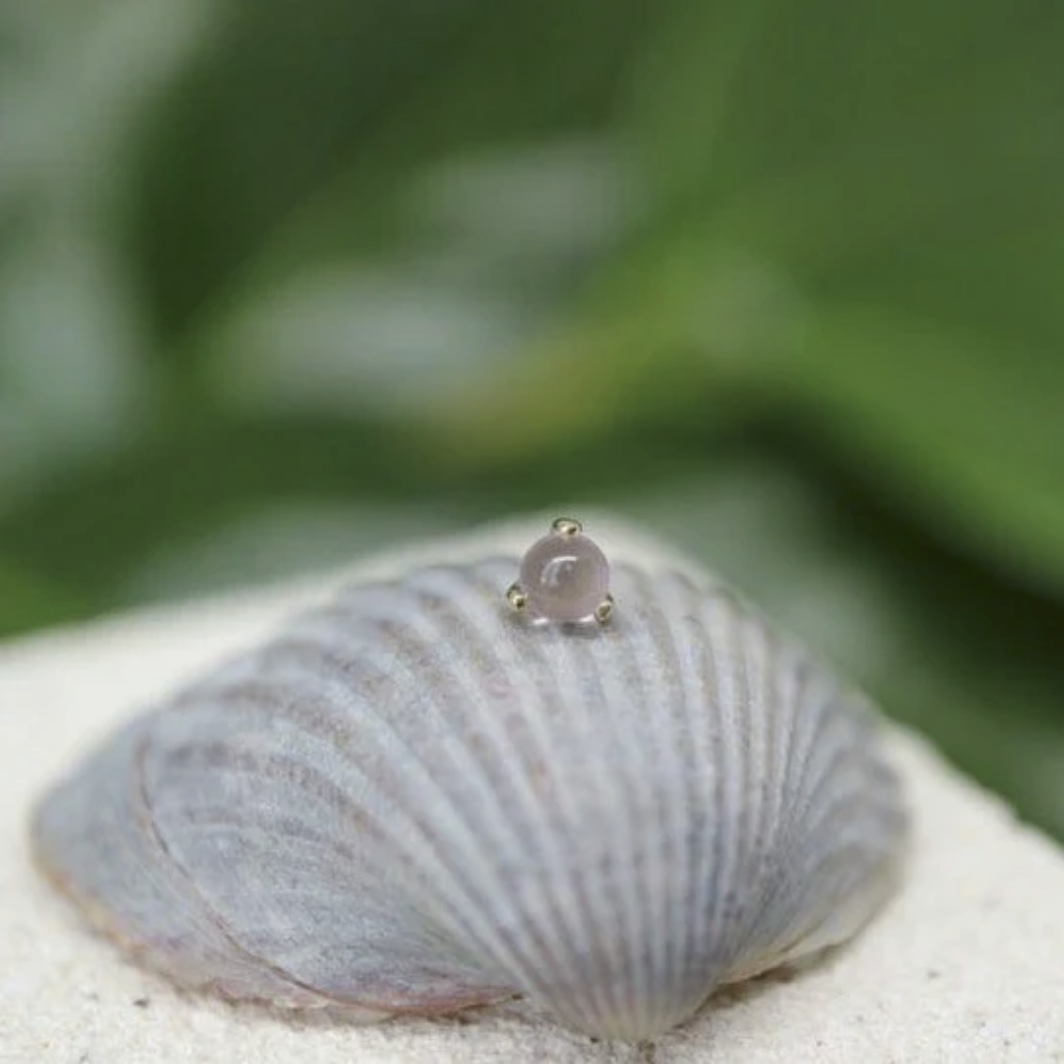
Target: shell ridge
{"points": [[401, 651], [456, 873], [730, 761], [834, 758], [513, 783], [590, 914], [816, 714], [841, 913], [696, 742], [754, 743], [268, 744], [796, 677], [676, 596], [661, 645], [707, 868], [548, 835], [202, 963], [796, 903], [607, 954], [618, 677], [522, 967], [768, 775], [469, 903], [246, 956], [678, 755], [839, 808], [639, 981]]}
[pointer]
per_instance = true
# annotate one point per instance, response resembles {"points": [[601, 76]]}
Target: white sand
{"points": [[965, 965]]}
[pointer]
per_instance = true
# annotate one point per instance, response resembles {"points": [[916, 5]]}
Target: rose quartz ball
{"points": [[565, 578]]}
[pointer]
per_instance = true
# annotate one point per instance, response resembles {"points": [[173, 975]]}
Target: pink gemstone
{"points": [[565, 578]]}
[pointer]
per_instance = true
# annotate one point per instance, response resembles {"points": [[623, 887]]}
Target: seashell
{"points": [[414, 801]]}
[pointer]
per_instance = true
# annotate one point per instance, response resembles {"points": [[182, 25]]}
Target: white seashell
{"points": [[411, 801]]}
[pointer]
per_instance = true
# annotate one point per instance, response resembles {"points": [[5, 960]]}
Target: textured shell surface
{"points": [[411, 800]]}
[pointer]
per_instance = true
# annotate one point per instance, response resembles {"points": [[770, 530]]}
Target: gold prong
{"points": [[516, 597], [567, 526], [604, 611]]}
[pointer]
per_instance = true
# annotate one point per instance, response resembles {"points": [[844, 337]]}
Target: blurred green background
{"points": [[281, 282]]}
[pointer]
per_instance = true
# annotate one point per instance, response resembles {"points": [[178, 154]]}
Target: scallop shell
{"points": [[413, 801]]}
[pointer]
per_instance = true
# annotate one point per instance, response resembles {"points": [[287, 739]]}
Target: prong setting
{"points": [[604, 610], [567, 526], [517, 598]]}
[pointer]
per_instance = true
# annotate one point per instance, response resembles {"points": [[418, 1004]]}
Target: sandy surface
{"points": [[965, 965]]}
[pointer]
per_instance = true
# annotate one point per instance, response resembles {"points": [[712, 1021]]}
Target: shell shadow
{"points": [[517, 1012], [504, 1022]]}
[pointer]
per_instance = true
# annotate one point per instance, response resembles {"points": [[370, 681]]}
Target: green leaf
{"points": [[299, 104], [962, 430], [897, 170], [90, 530], [491, 241], [29, 600], [275, 541]]}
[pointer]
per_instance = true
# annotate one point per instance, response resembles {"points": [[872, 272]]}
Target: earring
{"points": [[564, 577]]}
